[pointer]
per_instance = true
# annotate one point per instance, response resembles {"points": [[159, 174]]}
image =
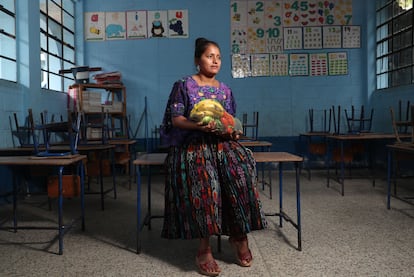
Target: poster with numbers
{"points": [[318, 64], [351, 36], [299, 64], [332, 36], [317, 13], [240, 66], [338, 63], [260, 64], [292, 38], [279, 64], [255, 21], [312, 37]]}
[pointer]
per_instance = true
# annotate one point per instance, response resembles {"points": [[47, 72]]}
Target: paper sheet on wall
{"points": [[318, 64], [178, 24], [136, 25], [312, 37], [338, 63], [292, 38], [351, 36], [299, 64], [260, 65], [279, 64], [115, 25], [157, 24], [240, 66], [332, 36], [94, 26]]}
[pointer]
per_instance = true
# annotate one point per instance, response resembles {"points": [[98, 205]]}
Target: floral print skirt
{"points": [[210, 189]]}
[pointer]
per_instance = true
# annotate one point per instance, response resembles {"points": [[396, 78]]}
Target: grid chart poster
{"points": [[240, 66], [260, 65], [312, 38], [279, 64], [338, 63], [332, 36], [299, 64], [318, 64], [292, 38], [351, 36]]}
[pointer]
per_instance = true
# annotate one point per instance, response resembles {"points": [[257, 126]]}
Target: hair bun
{"points": [[200, 41]]}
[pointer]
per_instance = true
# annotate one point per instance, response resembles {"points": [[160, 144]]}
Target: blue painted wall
{"points": [[149, 67]]}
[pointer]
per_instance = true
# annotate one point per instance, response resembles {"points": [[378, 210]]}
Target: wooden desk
{"points": [[128, 146], [15, 162], [314, 148], [158, 159], [342, 139], [83, 149], [256, 143], [392, 149]]}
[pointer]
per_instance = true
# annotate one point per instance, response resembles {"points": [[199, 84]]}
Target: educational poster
{"points": [[332, 36], [292, 38], [312, 37], [338, 63], [240, 66], [317, 13], [177, 23], [279, 64], [256, 41], [94, 26], [351, 36], [318, 64], [272, 30], [238, 32], [299, 64], [136, 24], [157, 24], [115, 25], [260, 65]]}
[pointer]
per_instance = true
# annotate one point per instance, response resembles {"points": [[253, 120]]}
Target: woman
{"points": [[211, 179]]}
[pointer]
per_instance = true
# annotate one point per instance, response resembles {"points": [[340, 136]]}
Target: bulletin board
{"points": [[273, 31]]}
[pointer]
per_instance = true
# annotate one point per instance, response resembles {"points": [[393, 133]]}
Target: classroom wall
{"points": [[149, 68]]}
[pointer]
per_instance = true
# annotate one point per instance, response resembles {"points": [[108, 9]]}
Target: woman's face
{"points": [[210, 61]]}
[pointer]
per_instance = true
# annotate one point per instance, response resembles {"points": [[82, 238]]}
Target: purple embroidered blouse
{"points": [[184, 95]]}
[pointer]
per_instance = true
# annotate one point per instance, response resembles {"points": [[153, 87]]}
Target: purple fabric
{"points": [[184, 95]]}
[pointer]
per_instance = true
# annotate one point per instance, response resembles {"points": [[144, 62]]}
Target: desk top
{"points": [[159, 158], [265, 157], [150, 159], [362, 136], [403, 147], [122, 141], [33, 160], [315, 134], [255, 143], [54, 148]]}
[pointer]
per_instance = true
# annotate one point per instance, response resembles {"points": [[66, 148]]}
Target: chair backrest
{"points": [[254, 125], [358, 123], [320, 120]]}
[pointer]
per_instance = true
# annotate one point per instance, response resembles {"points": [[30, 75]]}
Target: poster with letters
{"points": [[178, 24], [136, 24], [94, 27]]}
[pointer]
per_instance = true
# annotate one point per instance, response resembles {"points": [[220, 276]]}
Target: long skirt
{"points": [[210, 189]]}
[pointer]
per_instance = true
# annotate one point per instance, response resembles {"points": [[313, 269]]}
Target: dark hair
{"points": [[201, 45]]}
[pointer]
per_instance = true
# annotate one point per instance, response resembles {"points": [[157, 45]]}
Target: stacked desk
{"points": [[16, 162]]}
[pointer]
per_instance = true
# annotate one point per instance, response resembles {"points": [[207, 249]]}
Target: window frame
{"points": [[394, 43], [57, 43], [8, 57]]}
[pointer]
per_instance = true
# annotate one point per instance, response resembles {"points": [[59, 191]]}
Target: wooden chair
{"points": [[403, 126], [361, 123]]}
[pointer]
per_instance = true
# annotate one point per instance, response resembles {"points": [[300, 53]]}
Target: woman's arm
{"points": [[183, 123]]}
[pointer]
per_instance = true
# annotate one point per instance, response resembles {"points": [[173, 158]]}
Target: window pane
{"points": [[54, 64], [55, 29], [68, 21], [402, 40], [7, 47], [8, 5], [7, 23], [69, 54], [54, 47], [55, 82], [42, 4], [54, 11], [401, 77], [8, 70], [68, 38]]}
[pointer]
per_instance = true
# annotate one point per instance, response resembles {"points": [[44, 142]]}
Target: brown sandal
{"points": [[243, 259], [209, 268]]}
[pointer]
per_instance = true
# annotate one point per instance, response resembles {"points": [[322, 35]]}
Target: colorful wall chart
{"points": [[136, 26], [94, 27], [338, 63]]}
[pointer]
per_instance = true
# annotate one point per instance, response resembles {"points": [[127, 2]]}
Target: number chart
{"points": [[264, 31]]}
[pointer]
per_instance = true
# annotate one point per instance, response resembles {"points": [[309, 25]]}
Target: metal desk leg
{"points": [[138, 181], [60, 217], [148, 216], [389, 174], [280, 194], [342, 168], [113, 172], [81, 169], [101, 181], [299, 224]]}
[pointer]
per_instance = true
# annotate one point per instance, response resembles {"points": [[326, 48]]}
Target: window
{"points": [[395, 43], [57, 42], [8, 65]]}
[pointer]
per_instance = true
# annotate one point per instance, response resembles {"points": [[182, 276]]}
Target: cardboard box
{"points": [[70, 186]]}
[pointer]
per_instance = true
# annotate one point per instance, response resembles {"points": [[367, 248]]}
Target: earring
{"points": [[198, 67]]}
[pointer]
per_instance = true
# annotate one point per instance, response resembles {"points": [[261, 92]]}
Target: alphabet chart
{"points": [[136, 24]]}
